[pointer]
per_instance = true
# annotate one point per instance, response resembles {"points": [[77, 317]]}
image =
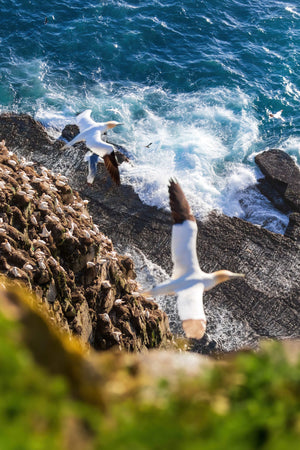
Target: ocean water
{"points": [[195, 78]]}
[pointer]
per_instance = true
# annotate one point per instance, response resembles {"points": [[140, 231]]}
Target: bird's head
{"points": [[225, 275], [112, 124]]}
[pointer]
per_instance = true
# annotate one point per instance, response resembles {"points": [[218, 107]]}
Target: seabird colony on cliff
{"points": [[92, 132], [188, 281]]}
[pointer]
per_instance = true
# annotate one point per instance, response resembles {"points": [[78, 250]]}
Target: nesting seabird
{"points": [[91, 132], [45, 233], [188, 281]]}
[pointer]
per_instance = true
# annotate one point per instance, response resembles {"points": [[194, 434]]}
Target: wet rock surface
{"points": [[283, 174], [48, 241], [265, 303]]}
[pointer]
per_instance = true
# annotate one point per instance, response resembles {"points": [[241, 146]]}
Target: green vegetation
{"points": [[247, 401]]}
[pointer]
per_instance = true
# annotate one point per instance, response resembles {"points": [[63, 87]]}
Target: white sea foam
{"points": [[291, 9], [204, 139], [292, 147]]}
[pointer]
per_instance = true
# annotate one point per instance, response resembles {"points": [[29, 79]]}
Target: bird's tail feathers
{"points": [[87, 156], [92, 160], [90, 179]]}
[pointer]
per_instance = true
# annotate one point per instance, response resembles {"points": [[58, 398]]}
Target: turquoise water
{"points": [[195, 78]]}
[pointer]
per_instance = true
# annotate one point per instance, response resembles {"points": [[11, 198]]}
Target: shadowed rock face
{"points": [[283, 173], [281, 185], [265, 303]]}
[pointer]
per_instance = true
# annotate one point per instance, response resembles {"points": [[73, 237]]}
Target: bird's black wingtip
{"points": [[180, 208], [173, 180], [172, 183]]}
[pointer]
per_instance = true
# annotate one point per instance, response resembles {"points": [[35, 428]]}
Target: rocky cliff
{"points": [[48, 241], [265, 304]]}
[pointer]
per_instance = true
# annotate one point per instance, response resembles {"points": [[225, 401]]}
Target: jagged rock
{"points": [[50, 243], [283, 173], [69, 132]]}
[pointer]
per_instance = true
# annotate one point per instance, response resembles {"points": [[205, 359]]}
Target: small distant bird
{"points": [[45, 233], [47, 197], [189, 282], [43, 206], [53, 261], [148, 146], [90, 264], [277, 115], [33, 220], [70, 209], [86, 234], [60, 183], [15, 272], [6, 245], [91, 132], [39, 242], [41, 264]]}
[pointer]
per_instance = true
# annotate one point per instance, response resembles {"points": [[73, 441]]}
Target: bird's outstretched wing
{"points": [[84, 120], [180, 207], [191, 312], [184, 233], [111, 165]]}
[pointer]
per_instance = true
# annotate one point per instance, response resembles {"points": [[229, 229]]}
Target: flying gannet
{"points": [[277, 115], [91, 132], [188, 281]]}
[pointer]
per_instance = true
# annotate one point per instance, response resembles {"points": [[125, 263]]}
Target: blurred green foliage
{"points": [[251, 401]]}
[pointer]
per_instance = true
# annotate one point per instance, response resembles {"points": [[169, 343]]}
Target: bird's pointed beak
{"points": [[225, 275], [237, 275], [113, 124]]}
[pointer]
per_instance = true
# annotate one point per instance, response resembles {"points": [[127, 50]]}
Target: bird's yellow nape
{"points": [[225, 275], [112, 124]]}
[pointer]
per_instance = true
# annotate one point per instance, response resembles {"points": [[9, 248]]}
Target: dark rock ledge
{"points": [[265, 304]]}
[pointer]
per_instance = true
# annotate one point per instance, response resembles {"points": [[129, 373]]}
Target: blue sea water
{"points": [[196, 78]]}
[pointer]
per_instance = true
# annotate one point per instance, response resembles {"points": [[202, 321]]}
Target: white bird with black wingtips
{"points": [[91, 132], [188, 281], [276, 115]]}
